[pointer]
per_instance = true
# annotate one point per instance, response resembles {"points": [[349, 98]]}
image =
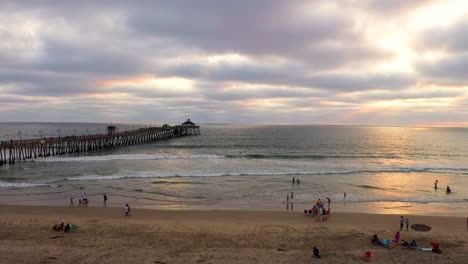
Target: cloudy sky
{"points": [[399, 62]]}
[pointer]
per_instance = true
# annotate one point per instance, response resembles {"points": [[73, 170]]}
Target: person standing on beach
{"points": [[292, 195], [105, 200], [127, 210], [407, 223], [345, 195], [402, 221], [71, 201], [287, 199], [294, 180], [435, 184], [85, 199], [329, 201]]}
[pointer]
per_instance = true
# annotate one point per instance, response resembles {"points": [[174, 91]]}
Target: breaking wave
{"points": [[259, 173], [24, 185], [132, 157]]}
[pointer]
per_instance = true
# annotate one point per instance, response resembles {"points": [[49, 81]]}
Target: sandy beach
{"points": [[169, 236]]}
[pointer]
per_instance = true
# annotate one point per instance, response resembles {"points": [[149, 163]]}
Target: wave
{"points": [[370, 187], [24, 185], [132, 157], [259, 173], [292, 157], [456, 168], [178, 182]]}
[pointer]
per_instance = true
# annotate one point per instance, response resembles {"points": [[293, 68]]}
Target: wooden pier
{"points": [[16, 150]]}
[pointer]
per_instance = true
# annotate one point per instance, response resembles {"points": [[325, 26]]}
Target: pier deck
{"points": [[14, 150]]}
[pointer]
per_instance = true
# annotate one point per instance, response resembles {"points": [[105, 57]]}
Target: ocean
{"points": [[250, 167]]}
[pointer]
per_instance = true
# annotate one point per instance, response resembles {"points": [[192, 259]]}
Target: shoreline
{"points": [[380, 207], [105, 235]]}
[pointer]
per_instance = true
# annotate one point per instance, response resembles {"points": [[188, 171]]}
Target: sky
{"points": [[399, 62]]}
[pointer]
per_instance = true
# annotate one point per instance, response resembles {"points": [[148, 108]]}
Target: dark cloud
{"points": [[322, 39], [419, 93], [453, 38], [450, 70], [295, 75]]}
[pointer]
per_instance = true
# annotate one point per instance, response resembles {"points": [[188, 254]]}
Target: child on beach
{"points": [[407, 223], [397, 237], [316, 252], [127, 210]]}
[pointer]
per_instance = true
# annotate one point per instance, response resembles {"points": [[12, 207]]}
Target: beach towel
{"points": [[424, 249]]}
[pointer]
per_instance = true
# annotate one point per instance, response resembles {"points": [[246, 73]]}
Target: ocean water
{"points": [[250, 167]]}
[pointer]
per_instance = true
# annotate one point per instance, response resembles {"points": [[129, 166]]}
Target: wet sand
{"points": [[105, 235]]}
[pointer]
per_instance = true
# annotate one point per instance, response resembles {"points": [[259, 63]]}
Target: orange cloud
{"points": [[451, 123]]}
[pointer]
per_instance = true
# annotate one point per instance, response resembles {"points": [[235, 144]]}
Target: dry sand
{"points": [[164, 236]]}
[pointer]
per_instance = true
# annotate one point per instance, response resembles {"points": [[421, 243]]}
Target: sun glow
{"points": [[180, 84], [434, 102]]}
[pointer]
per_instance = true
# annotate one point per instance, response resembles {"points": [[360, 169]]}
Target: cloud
{"points": [[396, 5], [451, 38], [293, 75], [322, 38], [449, 70], [450, 43], [223, 61]]}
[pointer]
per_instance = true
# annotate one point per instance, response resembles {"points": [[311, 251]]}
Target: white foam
{"points": [[132, 157], [24, 185], [151, 174], [268, 172]]}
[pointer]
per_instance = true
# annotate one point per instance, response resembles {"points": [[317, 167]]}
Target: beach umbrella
{"points": [[421, 227]]}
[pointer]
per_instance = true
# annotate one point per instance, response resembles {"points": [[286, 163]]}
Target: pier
{"points": [[17, 150]]}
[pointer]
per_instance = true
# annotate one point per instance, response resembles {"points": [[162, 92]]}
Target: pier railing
{"points": [[14, 150]]}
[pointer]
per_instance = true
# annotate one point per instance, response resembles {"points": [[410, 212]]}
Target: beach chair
{"points": [[368, 255], [435, 247], [74, 228]]}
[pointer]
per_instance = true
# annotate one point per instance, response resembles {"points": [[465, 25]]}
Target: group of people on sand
{"points": [[61, 227], [436, 183], [404, 221], [376, 241], [319, 210], [83, 201]]}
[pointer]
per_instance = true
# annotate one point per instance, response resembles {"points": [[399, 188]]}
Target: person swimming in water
{"points": [[448, 189]]}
